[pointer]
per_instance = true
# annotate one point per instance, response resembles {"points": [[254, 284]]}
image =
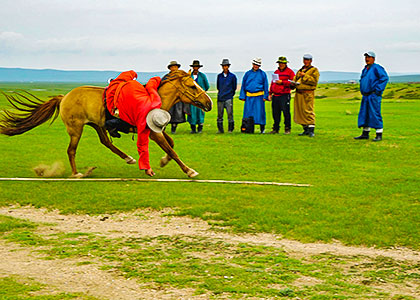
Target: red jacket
{"points": [[134, 102], [284, 88]]}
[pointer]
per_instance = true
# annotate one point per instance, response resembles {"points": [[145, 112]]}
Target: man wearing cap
{"points": [[305, 81], [140, 107], [196, 118], [372, 84], [254, 91], [279, 94], [178, 110], [226, 85]]}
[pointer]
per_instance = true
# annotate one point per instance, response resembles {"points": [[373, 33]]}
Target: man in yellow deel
{"points": [[305, 81]]}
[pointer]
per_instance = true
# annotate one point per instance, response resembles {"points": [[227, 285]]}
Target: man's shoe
{"points": [[378, 137], [274, 132], [305, 131], [193, 129], [173, 128], [231, 126], [287, 131], [220, 127], [363, 136], [311, 132], [200, 129]]}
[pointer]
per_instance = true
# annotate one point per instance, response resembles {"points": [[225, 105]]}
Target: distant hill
{"points": [[405, 78], [51, 75]]}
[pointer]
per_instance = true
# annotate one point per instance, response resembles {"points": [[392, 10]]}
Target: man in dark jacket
{"points": [[226, 85], [279, 94]]}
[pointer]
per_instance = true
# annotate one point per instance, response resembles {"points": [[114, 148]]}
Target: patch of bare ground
{"points": [[66, 275], [155, 223], [71, 275]]}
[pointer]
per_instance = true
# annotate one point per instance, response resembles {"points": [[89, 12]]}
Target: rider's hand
{"points": [[149, 172]]}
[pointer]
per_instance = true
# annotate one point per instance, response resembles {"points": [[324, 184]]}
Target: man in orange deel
{"points": [[139, 106]]}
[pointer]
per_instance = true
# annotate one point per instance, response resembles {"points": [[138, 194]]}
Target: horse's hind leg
{"points": [[166, 159], [107, 143], [75, 132], [163, 143]]}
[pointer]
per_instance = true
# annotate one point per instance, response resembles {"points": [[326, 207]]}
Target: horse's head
{"points": [[180, 86]]}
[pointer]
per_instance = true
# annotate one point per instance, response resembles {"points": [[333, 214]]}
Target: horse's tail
{"points": [[28, 112]]}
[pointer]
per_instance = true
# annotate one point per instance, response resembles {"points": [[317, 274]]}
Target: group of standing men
{"points": [[255, 90]]}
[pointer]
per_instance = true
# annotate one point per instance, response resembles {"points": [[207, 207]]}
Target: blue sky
{"points": [[146, 35]]}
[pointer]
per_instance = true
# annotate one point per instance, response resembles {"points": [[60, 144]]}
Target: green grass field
{"points": [[363, 193]]}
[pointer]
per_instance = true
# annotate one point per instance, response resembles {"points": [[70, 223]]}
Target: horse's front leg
{"points": [[103, 137], [160, 139]]}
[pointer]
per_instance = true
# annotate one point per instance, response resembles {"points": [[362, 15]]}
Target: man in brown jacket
{"points": [[305, 81]]}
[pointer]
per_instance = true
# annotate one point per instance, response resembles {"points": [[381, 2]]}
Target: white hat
{"points": [[307, 56], [370, 53], [257, 61], [157, 119]]}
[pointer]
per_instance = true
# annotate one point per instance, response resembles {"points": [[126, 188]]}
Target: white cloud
{"points": [[7, 36], [405, 46]]}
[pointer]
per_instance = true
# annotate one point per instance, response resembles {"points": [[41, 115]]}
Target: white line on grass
{"points": [[157, 180]]}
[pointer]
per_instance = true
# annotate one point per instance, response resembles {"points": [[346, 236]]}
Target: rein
{"points": [[185, 92]]}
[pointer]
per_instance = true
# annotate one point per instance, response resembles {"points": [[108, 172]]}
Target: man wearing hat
{"points": [[178, 110], [226, 85], [372, 84], [139, 106], [305, 81], [254, 91], [279, 94], [196, 118]]}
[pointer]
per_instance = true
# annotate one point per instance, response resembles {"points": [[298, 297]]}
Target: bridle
{"points": [[185, 92]]}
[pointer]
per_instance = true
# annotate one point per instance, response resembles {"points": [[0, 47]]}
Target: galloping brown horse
{"points": [[84, 106]]}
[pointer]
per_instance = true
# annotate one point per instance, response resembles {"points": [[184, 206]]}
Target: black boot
{"points": [[305, 130], [363, 136], [220, 127], [193, 129], [173, 128], [115, 125], [311, 132], [231, 127], [200, 128], [378, 137], [262, 128]]}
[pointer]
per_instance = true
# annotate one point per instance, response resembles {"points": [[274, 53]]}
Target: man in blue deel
{"points": [[372, 84], [254, 92]]}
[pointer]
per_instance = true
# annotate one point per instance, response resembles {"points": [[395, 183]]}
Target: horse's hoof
{"points": [[164, 161], [89, 171], [129, 160], [77, 175], [192, 173]]}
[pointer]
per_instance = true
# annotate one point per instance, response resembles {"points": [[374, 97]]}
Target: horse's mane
{"points": [[172, 76]]}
